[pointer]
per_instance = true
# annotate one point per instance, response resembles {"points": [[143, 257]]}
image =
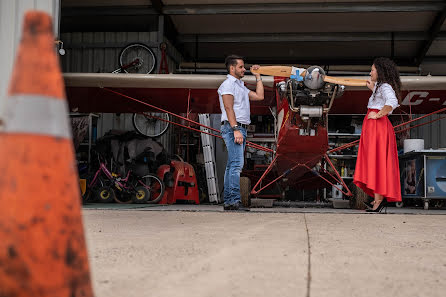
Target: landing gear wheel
{"points": [[137, 58], [151, 126], [106, 195], [245, 188], [142, 195], [399, 204]]}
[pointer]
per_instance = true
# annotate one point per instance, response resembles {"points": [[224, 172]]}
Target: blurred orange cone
{"points": [[42, 244]]}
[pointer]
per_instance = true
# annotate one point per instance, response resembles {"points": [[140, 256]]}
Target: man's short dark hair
{"points": [[232, 61]]}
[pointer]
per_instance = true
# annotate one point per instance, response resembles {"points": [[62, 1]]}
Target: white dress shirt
{"points": [[235, 87], [385, 95]]}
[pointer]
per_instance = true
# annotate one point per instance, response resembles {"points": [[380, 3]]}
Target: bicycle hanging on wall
{"points": [[139, 58]]}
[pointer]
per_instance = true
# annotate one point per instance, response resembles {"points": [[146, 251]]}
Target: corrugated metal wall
{"points": [[99, 52], [434, 134], [173, 57], [11, 19], [124, 122]]}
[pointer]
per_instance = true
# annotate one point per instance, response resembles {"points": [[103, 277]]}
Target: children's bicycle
{"points": [[107, 186]]}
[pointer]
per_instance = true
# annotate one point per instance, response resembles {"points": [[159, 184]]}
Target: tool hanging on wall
{"points": [[164, 68]]}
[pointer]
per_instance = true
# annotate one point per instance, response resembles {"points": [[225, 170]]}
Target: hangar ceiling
{"points": [[349, 32]]}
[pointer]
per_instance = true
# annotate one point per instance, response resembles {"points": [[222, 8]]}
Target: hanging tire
{"points": [[105, 195], [245, 191], [142, 195]]}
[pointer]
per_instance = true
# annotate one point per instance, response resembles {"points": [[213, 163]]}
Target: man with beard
{"points": [[234, 104]]}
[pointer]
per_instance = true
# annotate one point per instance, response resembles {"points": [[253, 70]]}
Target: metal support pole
{"points": [[160, 40]]}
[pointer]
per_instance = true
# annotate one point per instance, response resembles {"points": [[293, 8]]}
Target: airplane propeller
{"points": [[287, 71]]}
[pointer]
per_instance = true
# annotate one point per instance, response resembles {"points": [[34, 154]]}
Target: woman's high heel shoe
{"points": [[369, 205], [380, 207]]}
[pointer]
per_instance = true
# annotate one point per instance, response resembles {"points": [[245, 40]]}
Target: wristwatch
{"points": [[236, 128]]}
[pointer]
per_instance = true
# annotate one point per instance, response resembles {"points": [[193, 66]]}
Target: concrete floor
{"points": [[203, 251]]}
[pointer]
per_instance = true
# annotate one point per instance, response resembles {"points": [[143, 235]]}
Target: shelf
{"points": [[343, 156]]}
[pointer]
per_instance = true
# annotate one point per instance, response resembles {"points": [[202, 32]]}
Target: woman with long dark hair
{"points": [[377, 171]]}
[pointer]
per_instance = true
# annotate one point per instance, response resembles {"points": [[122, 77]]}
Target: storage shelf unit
{"points": [[344, 160], [89, 143]]}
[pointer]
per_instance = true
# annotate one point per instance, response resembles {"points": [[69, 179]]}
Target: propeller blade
{"points": [[274, 70], [354, 82], [285, 71]]}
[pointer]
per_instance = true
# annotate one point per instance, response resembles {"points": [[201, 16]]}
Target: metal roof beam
{"points": [[304, 37], [406, 6], [108, 11], [171, 31], [157, 6], [434, 32], [400, 61], [435, 59]]}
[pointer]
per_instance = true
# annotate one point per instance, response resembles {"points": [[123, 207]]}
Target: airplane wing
{"points": [[90, 92], [419, 95]]}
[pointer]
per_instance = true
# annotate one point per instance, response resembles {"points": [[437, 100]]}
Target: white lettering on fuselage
{"points": [[410, 95]]}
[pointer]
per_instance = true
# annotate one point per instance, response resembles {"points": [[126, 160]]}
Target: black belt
{"points": [[238, 124]]}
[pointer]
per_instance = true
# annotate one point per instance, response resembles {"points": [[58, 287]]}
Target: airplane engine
{"points": [[310, 90], [314, 78]]}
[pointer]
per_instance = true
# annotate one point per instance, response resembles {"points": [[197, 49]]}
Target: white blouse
{"points": [[385, 95]]}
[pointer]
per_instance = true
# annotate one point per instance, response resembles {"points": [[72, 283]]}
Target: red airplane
{"points": [[302, 100]]}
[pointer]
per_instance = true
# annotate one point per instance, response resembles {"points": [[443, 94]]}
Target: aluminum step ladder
{"points": [[209, 159]]}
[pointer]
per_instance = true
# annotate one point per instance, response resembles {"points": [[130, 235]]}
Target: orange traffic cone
{"points": [[42, 244]]}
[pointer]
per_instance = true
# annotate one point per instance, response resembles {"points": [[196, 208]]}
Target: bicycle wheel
{"points": [[137, 58], [151, 126], [154, 185], [106, 195], [142, 195]]}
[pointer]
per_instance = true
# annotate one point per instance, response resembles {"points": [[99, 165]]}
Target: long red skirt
{"points": [[377, 169]]}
